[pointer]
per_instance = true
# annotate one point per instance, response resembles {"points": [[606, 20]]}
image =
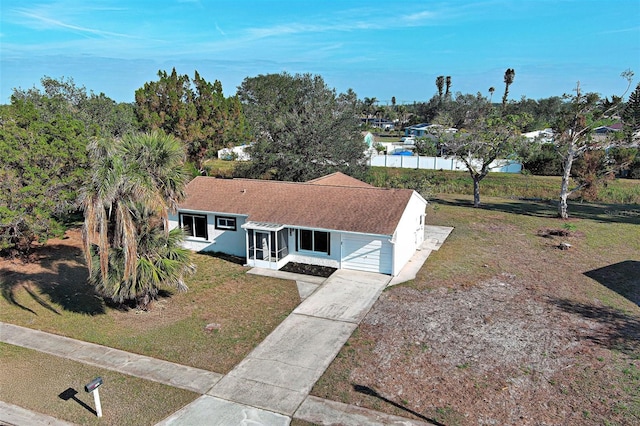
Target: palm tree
{"points": [[509, 76], [134, 182], [160, 261], [369, 106], [491, 90], [440, 86], [447, 82]]}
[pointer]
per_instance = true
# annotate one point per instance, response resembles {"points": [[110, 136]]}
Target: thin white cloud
{"points": [[621, 30], [44, 22], [420, 16], [220, 30]]}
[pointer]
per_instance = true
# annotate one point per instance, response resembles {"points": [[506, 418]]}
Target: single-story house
{"points": [[334, 221]]}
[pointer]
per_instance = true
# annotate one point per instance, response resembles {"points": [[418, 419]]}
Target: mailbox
{"points": [[93, 385]]}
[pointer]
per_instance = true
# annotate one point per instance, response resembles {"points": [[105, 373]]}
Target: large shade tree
{"points": [[302, 129], [43, 163], [101, 115], [134, 182], [487, 137], [193, 110]]}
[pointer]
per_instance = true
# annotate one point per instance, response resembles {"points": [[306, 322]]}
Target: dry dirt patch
{"points": [[495, 353]]}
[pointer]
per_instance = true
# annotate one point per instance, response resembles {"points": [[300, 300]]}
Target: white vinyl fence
{"points": [[438, 163]]}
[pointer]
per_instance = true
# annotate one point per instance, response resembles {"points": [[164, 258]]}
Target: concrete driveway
{"points": [[278, 374]]}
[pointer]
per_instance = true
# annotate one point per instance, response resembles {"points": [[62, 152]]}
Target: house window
{"points": [[194, 225], [318, 241], [227, 223]]}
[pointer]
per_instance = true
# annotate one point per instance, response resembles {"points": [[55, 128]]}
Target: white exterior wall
{"points": [[314, 258], [225, 241], [409, 234]]}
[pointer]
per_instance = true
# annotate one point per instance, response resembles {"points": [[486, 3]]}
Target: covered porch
{"points": [[267, 244]]}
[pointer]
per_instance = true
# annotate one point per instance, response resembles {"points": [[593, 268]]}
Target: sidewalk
{"points": [[172, 374]]}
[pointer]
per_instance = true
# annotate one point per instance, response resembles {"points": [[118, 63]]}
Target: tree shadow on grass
{"points": [[621, 277], [606, 213], [59, 278], [621, 331]]}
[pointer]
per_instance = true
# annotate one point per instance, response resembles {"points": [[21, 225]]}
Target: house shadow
{"points": [[238, 260], [621, 331], [621, 277], [605, 213], [59, 282]]}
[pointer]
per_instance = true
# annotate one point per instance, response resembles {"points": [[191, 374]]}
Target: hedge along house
{"points": [[334, 221]]}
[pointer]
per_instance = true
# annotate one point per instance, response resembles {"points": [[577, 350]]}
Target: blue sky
{"points": [[377, 48]]}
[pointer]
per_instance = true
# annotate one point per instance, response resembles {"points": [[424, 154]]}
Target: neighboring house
{"points": [[380, 123], [603, 130], [335, 221], [425, 130], [542, 136], [235, 153]]}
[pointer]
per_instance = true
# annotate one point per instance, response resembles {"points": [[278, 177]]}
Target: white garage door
{"points": [[366, 254]]}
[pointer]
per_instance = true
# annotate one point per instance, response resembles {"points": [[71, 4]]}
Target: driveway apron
{"points": [[280, 372]]}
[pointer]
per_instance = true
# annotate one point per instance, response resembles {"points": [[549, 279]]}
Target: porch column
{"points": [[246, 244], [275, 233]]}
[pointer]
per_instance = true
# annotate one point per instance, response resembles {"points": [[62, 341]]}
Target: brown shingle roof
{"points": [[340, 179], [345, 208]]}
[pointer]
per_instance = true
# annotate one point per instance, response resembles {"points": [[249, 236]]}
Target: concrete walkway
{"points": [[434, 237], [279, 373], [307, 284], [13, 415]]}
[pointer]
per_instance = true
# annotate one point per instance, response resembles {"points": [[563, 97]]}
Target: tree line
{"points": [[68, 152]]}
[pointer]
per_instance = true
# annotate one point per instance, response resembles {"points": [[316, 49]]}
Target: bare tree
{"points": [[573, 134]]}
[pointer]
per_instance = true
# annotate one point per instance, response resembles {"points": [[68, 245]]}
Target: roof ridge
{"points": [[307, 183]]}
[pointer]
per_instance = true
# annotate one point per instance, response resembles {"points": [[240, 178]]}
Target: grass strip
{"points": [[55, 386]]}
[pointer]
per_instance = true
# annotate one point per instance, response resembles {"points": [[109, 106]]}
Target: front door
{"points": [[262, 249]]}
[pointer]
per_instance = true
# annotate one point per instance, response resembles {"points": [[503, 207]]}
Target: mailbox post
{"points": [[92, 387]]}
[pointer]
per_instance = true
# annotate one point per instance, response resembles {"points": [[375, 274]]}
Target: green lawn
{"points": [[244, 308], [506, 185]]}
